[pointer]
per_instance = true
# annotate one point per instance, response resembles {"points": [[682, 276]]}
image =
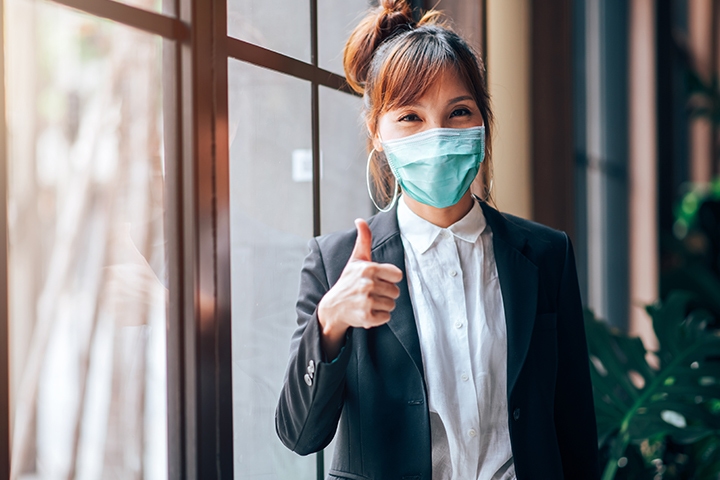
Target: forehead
{"points": [[446, 86], [439, 87], [426, 84]]}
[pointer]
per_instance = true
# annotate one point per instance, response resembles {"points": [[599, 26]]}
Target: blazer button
{"points": [[516, 414], [308, 380]]}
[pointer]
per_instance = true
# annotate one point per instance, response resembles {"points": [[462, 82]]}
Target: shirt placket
{"points": [[467, 431]]}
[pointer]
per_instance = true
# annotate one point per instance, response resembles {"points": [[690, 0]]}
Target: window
{"points": [[87, 268], [167, 162], [284, 127]]}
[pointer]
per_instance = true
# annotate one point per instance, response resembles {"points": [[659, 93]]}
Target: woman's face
{"points": [[446, 104]]}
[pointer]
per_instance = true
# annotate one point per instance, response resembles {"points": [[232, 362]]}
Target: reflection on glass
{"points": [[336, 20], [86, 246], [343, 142], [275, 24], [271, 223]]}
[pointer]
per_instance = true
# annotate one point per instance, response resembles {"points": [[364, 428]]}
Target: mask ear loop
{"points": [[367, 182]]}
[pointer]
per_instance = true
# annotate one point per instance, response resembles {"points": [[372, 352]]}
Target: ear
{"points": [[377, 145], [375, 139]]}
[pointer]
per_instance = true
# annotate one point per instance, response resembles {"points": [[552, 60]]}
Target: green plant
{"points": [[677, 397]]}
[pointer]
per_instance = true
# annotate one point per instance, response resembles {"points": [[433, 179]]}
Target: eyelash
{"points": [[413, 117], [463, 109], [407, 117]]}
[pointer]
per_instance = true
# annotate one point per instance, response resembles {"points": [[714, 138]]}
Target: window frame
{"points": [[196, 50]]}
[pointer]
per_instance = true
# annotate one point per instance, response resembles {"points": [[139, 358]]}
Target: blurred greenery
{"points": [[643, 399]]}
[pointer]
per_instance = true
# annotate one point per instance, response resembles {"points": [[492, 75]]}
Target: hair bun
{"points": [[396, 9], [378, 25]]}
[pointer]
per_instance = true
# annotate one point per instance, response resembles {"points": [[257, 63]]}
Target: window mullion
{"points": [[145, 20]]}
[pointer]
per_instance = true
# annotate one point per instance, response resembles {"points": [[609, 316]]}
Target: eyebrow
{"points": [[462, 97], [450, 102]]}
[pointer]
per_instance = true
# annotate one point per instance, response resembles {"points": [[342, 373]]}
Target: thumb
{"points": [[363, 242]]}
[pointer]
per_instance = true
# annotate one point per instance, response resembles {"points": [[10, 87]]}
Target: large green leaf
{"points": [[708, 453], [679, 397]]}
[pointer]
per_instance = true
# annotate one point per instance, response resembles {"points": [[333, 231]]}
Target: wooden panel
{"points": [[552, 116], [203, 217], [468, 19]]}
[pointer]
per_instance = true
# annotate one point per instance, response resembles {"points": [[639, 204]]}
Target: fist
{"points": [[365, 293]]}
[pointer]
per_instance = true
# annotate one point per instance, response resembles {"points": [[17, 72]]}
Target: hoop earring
{"points": [[367, 182]]}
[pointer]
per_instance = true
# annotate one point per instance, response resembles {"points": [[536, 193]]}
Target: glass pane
{"points": [[86, 246], [271, 223], [275, 24], [343, 143], [336, 20]]}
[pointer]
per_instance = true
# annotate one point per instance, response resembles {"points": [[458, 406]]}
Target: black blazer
{"points": [[373, 395]]}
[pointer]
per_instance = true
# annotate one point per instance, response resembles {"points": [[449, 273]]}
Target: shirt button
{"points": [[458, 324], [516, 414], [472, 432], [308, 380], [464, 377], [453, 273]]}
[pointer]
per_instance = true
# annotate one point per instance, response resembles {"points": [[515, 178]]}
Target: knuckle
{"points": [[366, 285]]}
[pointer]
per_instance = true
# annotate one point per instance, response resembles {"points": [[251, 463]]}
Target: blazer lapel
{"points": [[518, 278], [518, 283], [387, 247]]}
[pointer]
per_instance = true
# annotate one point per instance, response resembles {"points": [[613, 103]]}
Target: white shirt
{"points": [[456, 298]]}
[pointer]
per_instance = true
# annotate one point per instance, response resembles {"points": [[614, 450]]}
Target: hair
{"points": [[391, 60]]}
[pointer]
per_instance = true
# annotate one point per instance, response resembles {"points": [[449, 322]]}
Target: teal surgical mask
{"points": [[437, 166]]}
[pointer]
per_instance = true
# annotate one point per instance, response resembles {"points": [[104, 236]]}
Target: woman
{"points": [[440, 339]]}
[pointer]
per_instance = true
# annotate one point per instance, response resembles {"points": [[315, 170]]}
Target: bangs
{"points": [[410, 67]]}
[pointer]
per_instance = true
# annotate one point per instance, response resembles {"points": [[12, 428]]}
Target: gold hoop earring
{"points": [[367, 182]]}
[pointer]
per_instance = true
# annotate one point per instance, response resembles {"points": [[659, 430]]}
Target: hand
{"points": [[363, 296]]}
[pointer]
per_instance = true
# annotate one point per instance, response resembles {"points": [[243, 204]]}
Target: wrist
{"points": [[332, 329]]}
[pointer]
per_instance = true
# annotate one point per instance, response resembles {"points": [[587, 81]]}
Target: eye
{"points": [[460, 112], [411, 117]]}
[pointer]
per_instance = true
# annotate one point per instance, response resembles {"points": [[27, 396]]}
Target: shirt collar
{"points": [[422, 234]]}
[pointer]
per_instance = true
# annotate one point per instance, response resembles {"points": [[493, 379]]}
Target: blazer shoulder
{"points": [[534, 230], [545, 243], [330, 242]]}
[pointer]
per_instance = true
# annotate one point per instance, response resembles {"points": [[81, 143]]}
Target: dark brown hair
{"points": [[392, 60]]}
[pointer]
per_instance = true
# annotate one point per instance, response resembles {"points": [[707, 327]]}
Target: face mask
{"points": [[437, 166]]}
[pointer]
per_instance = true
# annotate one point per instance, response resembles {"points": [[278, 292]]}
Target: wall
{"points": [[508, 44]]}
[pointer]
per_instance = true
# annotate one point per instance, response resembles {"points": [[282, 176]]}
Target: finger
{"points": [[382, 288], [378, 318], [381, 304], [388, 272], [363, 242]]}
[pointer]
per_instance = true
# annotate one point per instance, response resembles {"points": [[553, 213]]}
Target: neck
{"points": [[442, 217]]}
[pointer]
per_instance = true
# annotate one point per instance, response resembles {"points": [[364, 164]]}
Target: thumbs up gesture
{"points": [[363, 296]]}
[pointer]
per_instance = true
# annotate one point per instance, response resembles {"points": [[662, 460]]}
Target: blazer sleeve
{"points": [[574, 411], [312, 395]]}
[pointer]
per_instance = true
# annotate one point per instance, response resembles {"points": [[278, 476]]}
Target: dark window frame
{"points": [[196, 49]]}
